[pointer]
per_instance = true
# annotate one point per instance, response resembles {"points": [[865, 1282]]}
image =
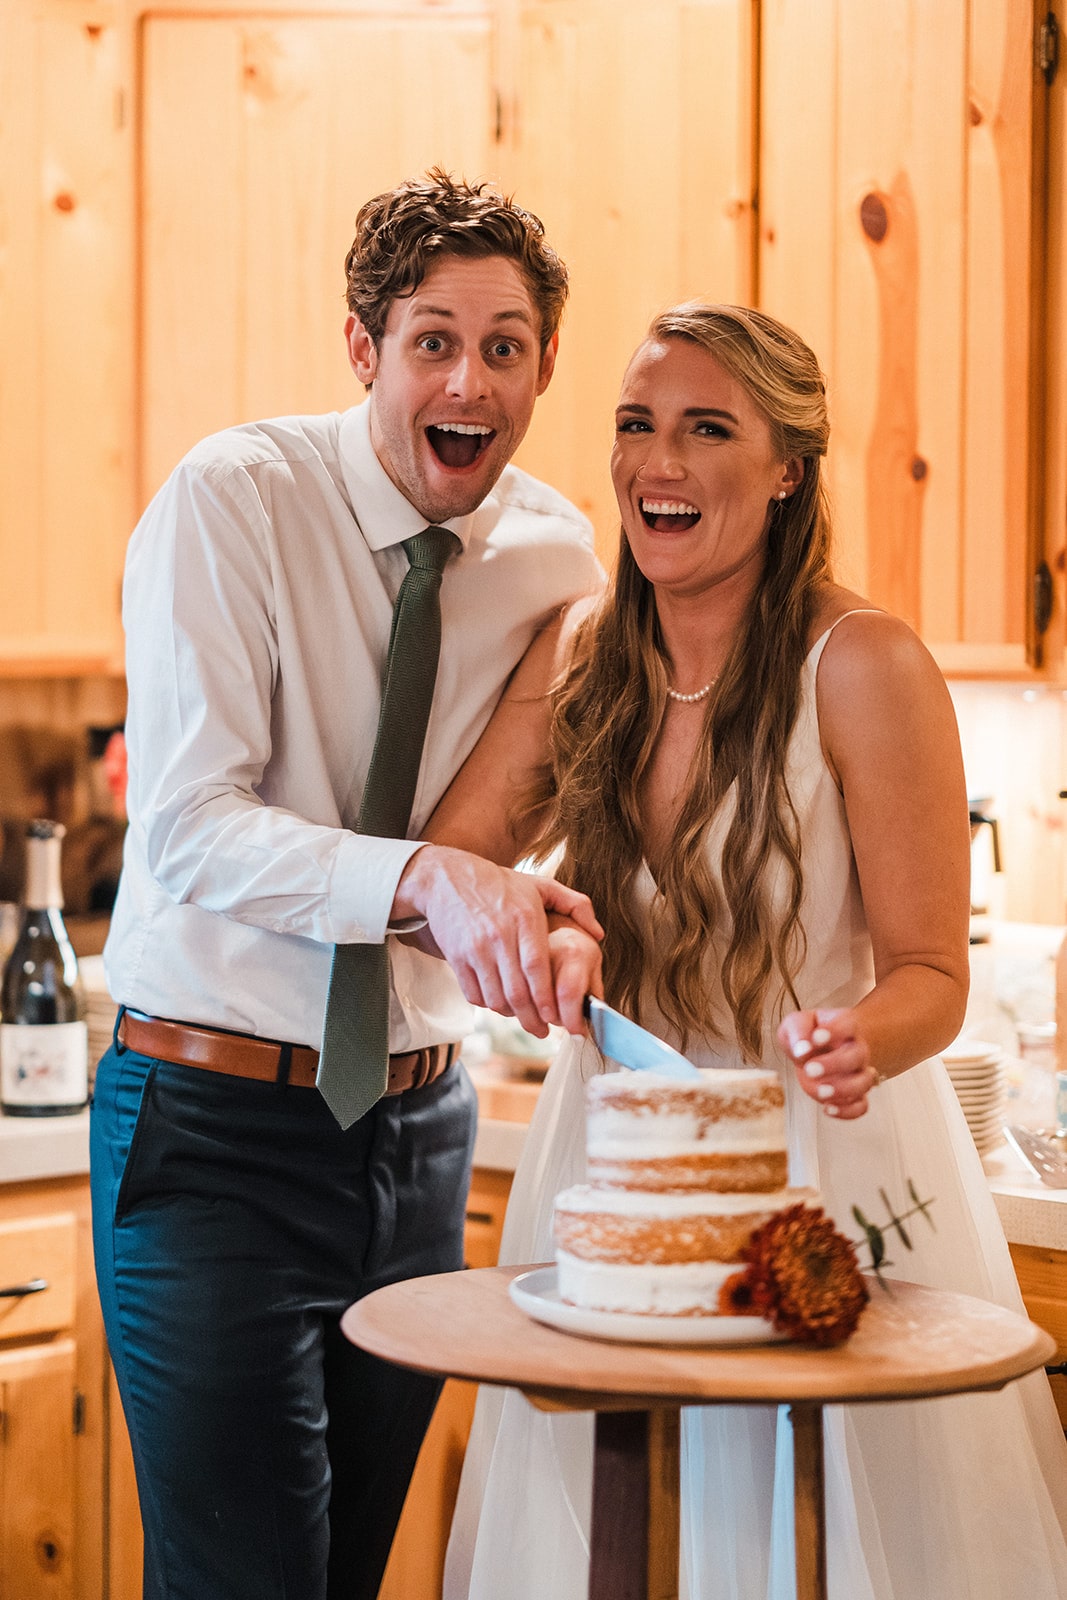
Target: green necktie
{"points": [[354, 1061]]}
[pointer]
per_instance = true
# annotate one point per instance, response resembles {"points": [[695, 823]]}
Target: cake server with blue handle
{"points": [[632, 1046]]}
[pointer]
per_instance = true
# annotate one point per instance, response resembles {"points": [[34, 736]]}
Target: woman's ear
{"points": [[792, 476]]}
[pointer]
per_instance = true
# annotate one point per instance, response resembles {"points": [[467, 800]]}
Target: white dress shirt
{"points": [[257, 604]]}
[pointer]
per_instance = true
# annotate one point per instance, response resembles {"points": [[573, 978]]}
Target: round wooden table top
{"points": [[911, 1343]]}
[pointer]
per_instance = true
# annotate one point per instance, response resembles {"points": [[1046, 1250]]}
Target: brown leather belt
{"points": [[242, 1055]]}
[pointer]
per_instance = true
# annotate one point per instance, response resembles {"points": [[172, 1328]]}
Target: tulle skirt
{"points": [[962, 1498]]}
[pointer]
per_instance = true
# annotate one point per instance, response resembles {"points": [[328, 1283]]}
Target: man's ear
{"points": [[362, 351], [548, 363]]}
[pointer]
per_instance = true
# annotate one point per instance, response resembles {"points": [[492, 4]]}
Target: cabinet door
{"points": [[1042, 1275], [247, 212], [629, 129], [37, 1472], [64, 303], [902, 236]]}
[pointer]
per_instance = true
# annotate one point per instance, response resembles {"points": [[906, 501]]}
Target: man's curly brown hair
{"points": [[399, 235]]}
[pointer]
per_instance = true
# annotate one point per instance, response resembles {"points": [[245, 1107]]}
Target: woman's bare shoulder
{"points": [[875, 663], [863, 634]]}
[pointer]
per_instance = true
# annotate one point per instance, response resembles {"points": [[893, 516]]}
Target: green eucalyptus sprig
{"points": [[875, 1233]]}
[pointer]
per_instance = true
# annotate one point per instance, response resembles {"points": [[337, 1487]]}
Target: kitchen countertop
{"points": [[1030, 1212], [58, 1147], [43, 1147]]}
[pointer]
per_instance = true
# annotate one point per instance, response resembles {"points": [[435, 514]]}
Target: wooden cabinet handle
{"points": [[17, 1290]]}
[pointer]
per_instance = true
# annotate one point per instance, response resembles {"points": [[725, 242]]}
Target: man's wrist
{"points": [[410, 897]]}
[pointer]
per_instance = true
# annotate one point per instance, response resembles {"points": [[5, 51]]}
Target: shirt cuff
{"points": [[363, 886]]}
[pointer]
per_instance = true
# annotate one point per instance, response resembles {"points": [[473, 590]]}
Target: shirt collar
{"points": [[385, 516]]}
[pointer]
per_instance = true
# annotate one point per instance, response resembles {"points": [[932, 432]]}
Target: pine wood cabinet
{"points": [[53, 1397], [184, 184], [66, 330], [181, 184], [910, 180], [1042, 1275]]}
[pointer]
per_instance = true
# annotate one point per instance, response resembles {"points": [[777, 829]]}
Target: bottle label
{"points": [[44, 1065]]}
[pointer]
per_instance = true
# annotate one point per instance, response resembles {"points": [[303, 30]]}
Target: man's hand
{"points": [[491, 925]]}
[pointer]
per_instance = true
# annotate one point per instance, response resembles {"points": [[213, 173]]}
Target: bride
{"points": [[756, 777]]}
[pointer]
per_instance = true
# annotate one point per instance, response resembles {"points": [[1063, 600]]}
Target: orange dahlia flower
{"points": [[802, 1275]]}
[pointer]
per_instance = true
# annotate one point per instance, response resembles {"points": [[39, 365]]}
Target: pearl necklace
{"points": [[689, 699]]}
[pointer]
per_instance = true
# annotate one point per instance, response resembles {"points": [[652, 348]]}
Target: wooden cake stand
{"points": [[911, 1344]]}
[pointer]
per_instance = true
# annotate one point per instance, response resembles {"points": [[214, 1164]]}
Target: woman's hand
{"points": [[831, 1059], [576, 962]]}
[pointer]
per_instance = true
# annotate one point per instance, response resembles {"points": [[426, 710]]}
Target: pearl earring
{"points": [[781, 494]]}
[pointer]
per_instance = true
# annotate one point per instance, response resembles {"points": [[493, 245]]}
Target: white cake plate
{"points": [[536, 1293]]}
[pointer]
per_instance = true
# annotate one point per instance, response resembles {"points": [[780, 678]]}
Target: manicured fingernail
{"points": [[831, 1111], [825, 1091], [821, 1036], [802, 1048], [814, 1069]]}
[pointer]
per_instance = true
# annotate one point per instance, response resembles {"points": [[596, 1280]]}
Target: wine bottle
{"points": [[44, 1037]]}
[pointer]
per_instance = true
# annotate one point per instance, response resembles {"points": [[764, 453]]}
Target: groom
{"points": [[235, 1216]]}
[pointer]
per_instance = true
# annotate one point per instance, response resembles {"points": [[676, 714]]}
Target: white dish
{"points": [[970, 1051], [536, 1294], [983, 1124]]}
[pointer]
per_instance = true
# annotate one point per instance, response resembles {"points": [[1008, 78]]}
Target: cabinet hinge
{"points": [[79, 1412], [1042, 598], [1047, 52]]}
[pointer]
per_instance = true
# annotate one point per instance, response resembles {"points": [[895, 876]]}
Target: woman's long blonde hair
{"points": [[608, 710]]}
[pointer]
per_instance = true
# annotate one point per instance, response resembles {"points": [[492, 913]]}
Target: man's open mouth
{"points": [[459, 444], [669, 516]]}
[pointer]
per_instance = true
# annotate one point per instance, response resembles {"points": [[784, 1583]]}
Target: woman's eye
{"points": [[712, 430], [634, 425]]}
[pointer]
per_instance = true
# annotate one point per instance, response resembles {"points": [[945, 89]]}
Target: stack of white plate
{"points": [[977, 1073], [100, 1011]]}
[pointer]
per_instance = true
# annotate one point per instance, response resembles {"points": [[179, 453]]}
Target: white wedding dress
{"points": [[962, 1498]]}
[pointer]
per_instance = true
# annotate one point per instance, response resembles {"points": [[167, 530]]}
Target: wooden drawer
{"points": [[486, 1204], [1042, 1275], [36, 1249]]}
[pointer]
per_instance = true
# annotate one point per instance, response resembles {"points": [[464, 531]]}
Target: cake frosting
{"points": [[725, 1131], [681, 1173]]}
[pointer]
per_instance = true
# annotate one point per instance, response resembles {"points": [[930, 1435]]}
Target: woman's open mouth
{"points": [[669, 516], [459, 444]]}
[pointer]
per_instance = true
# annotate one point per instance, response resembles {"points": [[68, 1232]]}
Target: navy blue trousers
{"points": [[233, 1223]]}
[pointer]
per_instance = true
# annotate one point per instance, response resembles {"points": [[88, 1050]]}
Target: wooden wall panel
{"points": [[633, 140], [916, 292], [258, 151], [798, 220], [20, 313], [64, 299], [870, 270], [997, 321]]}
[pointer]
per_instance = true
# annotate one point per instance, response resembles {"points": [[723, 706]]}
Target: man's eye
{"points": [[503, 349], [432, 343]]}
